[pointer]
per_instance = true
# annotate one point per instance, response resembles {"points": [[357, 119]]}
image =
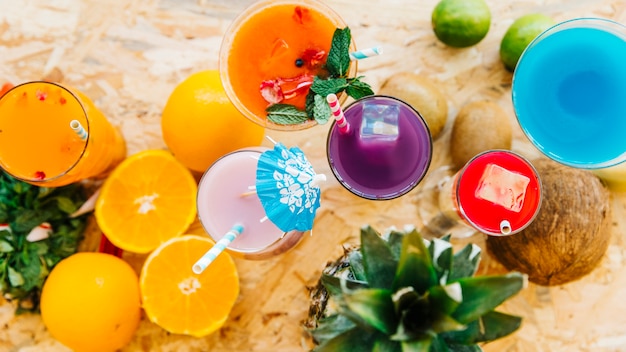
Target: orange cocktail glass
{"points": [[284, 42], [52, 136]]}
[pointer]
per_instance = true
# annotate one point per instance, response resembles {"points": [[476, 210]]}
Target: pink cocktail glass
{"points": [[224, 199]]}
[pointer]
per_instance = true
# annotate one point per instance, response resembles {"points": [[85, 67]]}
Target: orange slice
{"points": [[180, 301], [148, 199]]}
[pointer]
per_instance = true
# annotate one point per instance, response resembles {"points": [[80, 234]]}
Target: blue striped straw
{"points": [[365, 53], [78, 128], [218, 248]]}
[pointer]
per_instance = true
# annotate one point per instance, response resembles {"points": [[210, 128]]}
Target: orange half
{"points": [[180, 301], [148, 199]]}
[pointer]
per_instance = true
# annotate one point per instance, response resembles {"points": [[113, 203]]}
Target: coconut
{"points": [[422, 94], [479, 126], [570, 234]]}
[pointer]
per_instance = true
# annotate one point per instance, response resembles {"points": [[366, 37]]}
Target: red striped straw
{"points": [[342, 124]]}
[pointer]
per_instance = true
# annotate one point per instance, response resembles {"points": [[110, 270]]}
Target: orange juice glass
{"points": [[38, 144], [286, 40]]}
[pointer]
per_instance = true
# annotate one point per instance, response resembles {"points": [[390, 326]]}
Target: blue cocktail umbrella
{"points": [[288, 188]]}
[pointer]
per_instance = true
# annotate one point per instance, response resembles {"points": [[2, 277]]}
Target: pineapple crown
{"points": [[403, 293]]}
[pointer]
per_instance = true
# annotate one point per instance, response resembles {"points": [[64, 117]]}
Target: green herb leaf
{"points": [[25, 265], [325, 87], [6, 247], [338, 60], [15, 278], [358, 89], [321, 110], [285, 114]]}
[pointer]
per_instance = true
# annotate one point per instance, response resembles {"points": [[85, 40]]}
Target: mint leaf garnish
{"points": [[285, 114], [335, 81], [338, 60], [321, 109], [358, 89], [324, 87]]}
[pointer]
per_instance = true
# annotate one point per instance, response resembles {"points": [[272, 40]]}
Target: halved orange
{"points": [[148, 199], [180, 301]]}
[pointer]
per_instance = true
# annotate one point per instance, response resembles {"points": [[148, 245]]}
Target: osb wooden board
{"points": [[129, 55]]}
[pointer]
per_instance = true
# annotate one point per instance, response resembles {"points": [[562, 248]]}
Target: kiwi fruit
{"points": [[479, 126], [422, 94]]}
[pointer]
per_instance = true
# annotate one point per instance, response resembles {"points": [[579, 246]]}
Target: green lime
{"points": [[519, 35], [461, 23]]}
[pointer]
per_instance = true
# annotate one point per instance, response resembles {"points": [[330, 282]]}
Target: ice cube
{"points": [[503, 187], [379, 122]]}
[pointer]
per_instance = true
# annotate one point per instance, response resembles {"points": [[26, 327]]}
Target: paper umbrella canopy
{"points": [[288, 188]]}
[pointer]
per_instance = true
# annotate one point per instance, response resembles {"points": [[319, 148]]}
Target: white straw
{"points": [[218, 248], [365, 53], [78, 128], [505, 227]]}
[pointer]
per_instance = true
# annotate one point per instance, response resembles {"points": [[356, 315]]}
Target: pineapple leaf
{"points": [[441, 252], [464, 348], [439, 345], [491, 326], [383, 344], [378, 261], [446, 299], [374, 306], [394, 239], [334, 284], [404, 298], [415, 268], [354, 340], [465, 262], [443, 323], [421, 344], [483, 294], [330, 327], [355, 258]]}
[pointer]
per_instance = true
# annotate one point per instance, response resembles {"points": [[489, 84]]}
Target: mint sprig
{"points": [[285, 114], [336, 82], [338, 60]]}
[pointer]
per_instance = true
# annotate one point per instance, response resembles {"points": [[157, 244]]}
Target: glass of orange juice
{"points": [[271, 54], [51, 136]]}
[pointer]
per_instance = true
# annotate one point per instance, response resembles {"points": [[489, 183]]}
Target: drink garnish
{"points": [[40, 175], [334, 81], [274, 91]]}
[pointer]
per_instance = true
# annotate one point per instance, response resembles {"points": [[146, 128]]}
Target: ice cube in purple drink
{"points": [[503, 187], [379, 122]]}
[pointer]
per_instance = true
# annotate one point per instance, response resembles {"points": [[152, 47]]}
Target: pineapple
{"points": [[399, 292]]}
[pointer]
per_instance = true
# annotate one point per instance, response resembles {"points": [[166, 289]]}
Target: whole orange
{"points": [[200, 124], [91, 302]]}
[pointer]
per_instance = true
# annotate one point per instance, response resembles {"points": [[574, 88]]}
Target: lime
{"points": [[519, 35], [461, 23]]}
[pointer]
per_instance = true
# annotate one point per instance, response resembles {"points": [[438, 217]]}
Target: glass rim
{"points": [[462, 210], [76, 98], [229, 37], [578, 22], [248, 253], [393, 195]]}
